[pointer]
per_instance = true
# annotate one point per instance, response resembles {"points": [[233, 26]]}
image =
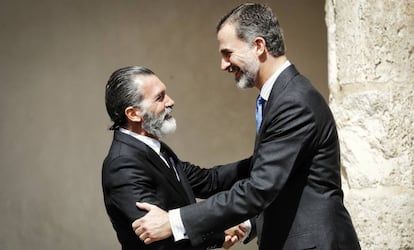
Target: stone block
{"points": [[383, 217]]}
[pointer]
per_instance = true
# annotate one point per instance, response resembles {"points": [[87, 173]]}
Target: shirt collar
{"points": [[267, 87], [150, 142]]}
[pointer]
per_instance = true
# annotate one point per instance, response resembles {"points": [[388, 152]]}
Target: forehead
{"points": [[151, 85], [228, 39]]}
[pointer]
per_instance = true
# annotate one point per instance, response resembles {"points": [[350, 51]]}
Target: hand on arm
{"points": [[154, 226]]}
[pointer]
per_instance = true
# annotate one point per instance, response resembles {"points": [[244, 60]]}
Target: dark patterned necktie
{"points": [[170, 162]]}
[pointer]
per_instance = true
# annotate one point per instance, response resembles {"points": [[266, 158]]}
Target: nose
{"points": [[169, 102], [225, 64]]}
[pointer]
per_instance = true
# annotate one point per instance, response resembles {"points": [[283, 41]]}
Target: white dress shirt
{"points": [[267, 87], [154, 144]]}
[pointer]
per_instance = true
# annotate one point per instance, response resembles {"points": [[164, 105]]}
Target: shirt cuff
{"points": [[177, 226], [248, 225]]}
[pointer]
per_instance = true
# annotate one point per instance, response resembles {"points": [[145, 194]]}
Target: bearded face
{"points": [[239, 57], [247, 74], [160, 124]]}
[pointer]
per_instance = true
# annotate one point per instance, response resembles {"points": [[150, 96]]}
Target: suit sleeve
{"points": [[206, 182], [279, 150], [125, 184]]}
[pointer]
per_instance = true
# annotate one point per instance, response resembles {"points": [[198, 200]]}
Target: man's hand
{"points": [[233, 235], [154, 226]]}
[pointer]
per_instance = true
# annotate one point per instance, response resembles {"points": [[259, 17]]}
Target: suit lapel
{"points": [[183, 184], [167, 173], [157, 163], [278, 87]]}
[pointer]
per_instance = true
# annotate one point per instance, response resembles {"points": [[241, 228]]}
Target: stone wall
{"points": [[371, 82]]}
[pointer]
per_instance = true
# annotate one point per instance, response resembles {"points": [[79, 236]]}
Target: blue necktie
{"points": [[259, 112]]}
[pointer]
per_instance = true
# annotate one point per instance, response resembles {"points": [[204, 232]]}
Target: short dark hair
{"points": [[256, 20], [122, 91]]}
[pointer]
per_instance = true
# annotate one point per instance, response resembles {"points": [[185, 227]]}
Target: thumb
{"points": [[144, 206]]}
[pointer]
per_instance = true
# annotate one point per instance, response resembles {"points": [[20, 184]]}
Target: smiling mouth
{"points": [[232, 69], [167, 117], [237, 72]]}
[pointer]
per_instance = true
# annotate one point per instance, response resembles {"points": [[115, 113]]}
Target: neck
{"points": [[268, 67], [140, 131]]}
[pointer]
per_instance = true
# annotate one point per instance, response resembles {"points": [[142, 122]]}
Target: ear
{"points": [[260, 44], [133, 114]]}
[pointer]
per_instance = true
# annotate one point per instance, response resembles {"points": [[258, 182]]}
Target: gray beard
{"points": [[158, 125], [248, 78]]}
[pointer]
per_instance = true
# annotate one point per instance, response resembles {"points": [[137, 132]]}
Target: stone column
{"points": [[371, 82]]}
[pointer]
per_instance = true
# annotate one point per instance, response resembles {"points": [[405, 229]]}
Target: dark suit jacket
{"points": [[133, 172], [294, 185]]}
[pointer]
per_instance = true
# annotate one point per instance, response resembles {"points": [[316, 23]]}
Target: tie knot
{"points": [[260, 100], [163, 150]]}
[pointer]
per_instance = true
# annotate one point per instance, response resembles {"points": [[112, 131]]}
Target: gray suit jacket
{"points": [[133, 172], [294, 187]]}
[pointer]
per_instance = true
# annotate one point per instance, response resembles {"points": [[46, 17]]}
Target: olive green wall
{"points": [[55, 58]]}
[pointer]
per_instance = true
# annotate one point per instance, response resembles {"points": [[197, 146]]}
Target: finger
{"points": [[136, 224], [228, 244], [148, 241], [143, 236], [236, 233], [144, 205], [242, 232], [234, 239], [241, 235], [243, 228], [138, 231]]}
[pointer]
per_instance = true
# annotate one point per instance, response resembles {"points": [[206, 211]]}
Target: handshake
{"points": [[234, 235], [155, 226]]}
